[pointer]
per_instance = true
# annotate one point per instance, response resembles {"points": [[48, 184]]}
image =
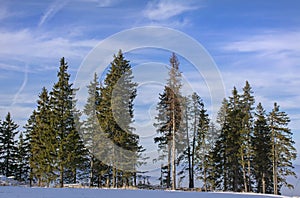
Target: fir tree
{"points": [[246, 151], [42, 142], [68, 146], [203, 148], [30, 132], [170, 118], [283, 150], [115, 112], [8, 152], [22, 159], [262, 155], [93, 136]]}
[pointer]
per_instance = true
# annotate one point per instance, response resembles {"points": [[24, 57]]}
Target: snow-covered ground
{"points": [[25, 192]]}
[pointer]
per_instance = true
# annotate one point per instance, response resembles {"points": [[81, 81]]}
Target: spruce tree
{"points": [[283, 150], [93, 136], [164, 139], [115, 114], [30, 132], [68, 146], [262, 155], [220, 153], [171, 117], [203, 148], [42, 142], [246, 151], [8, 152], [22, 159]]}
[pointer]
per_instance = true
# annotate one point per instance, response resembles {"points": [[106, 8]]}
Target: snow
{"points": [[26, 192]]}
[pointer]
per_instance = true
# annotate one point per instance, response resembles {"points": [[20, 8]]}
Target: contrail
{"points": [[14, 101], [52, 10]]}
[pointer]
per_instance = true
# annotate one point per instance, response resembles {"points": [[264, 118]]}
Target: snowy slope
{"points": [[24, 192]]}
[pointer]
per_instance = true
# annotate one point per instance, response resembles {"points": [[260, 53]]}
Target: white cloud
{"points": [[166, 9], [280, 48], [25, 44]]}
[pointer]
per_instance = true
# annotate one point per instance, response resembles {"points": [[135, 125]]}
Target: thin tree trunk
{"points": [[173, 147], [61, 168], [249, 172], [263, 183], [191, 182], [169, 167], [193, 148], [274, 158], [244, 173], [114, 184], [92, 171]]}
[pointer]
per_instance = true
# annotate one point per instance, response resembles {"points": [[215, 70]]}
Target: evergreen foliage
{"points": [[8, 145]]}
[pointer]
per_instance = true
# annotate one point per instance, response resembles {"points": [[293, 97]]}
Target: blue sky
{"points": [[258, 41]]}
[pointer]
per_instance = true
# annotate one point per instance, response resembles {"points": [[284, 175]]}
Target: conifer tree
{"points": [[246, 151], [42, 142], [68, 146], [30, 132], [171, 117], [8, 152], [262, 155], [283, 150], [115, 112], [203, 148], [93, 136], [22, 159]]}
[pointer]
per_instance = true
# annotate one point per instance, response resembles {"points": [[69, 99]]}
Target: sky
{"points": [[258, 41]]}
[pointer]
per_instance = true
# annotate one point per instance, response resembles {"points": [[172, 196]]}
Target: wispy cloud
{"points": [[283, 46], [29, 44], [55, 7], [4, 13], [166, 9]]}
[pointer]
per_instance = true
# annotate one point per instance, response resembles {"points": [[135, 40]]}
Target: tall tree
{"points": [[8, 152], [262, 155], [116, 117], [203, 148], [92, 134], [30, 132], [283, 150], [171, 115], [246, 151], [62, 105], [42, 141]]}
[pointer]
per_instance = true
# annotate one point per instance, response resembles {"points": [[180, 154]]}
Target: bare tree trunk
{"points": [[92, 171], [244, 173], [191, 180], [169, 167], [249, 172], [274, 158], [173, 148]]}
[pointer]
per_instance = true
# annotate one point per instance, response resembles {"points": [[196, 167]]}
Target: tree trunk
{"points": [[169, 167], [191, 183], [249, 172], [244, 173], [114, 184], [173, 149], [263, 183], [61, 168], [274, 158], [92, 171]]}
